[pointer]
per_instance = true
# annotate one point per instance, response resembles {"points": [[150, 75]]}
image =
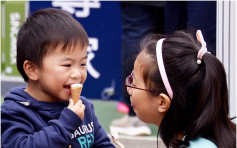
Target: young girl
{"points": [[180, 87]]}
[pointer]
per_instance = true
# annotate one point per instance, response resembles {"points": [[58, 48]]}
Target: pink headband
{"points": [[162, 67], [203, 49]]}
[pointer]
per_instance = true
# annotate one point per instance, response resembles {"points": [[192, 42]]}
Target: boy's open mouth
{"points": [[67, 87]]}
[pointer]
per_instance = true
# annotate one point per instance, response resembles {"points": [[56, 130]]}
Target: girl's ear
{"points": [[30, 70], [163, 103]]}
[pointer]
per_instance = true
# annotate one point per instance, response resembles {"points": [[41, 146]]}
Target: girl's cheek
{"points": [[129, 90]]}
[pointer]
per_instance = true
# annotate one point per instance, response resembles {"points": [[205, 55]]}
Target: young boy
{"points": [[51, 56]]}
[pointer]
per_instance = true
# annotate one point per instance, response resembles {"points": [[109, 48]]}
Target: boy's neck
{"points": [[33, 90]]}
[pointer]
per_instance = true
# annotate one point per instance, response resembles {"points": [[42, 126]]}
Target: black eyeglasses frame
{"points": [[129, 85]]}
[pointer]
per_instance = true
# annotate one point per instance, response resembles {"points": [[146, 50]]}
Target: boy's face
{"points": [[61, 69]]}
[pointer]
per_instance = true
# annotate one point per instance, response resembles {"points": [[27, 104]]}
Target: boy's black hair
{"points": [[43, 31], [199, 107]]}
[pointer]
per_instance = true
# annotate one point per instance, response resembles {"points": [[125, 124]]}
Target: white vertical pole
{"points": [[226, 46]]}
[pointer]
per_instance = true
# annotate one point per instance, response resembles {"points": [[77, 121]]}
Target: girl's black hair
{"points": [[43, 31], [199, 107]]}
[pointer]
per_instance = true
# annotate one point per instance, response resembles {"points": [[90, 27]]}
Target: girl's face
{"points": [[60, 69], [144, 105]]}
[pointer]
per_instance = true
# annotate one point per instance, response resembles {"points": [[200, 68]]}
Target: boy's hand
{"points": [[77, 108]]}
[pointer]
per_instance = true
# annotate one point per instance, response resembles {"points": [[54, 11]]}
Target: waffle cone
{"points": [[75, 93]]}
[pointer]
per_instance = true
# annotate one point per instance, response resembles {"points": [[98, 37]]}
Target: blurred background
{"points": [[102, 22]]}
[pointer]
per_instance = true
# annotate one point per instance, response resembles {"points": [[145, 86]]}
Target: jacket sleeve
{"points": [[101, 138], [17, 132]]}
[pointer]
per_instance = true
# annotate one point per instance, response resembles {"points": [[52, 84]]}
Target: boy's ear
{"points": [[163, 103], [30, 70]]}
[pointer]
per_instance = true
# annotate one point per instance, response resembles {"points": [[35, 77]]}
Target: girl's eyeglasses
{"points": [[129, 83]]}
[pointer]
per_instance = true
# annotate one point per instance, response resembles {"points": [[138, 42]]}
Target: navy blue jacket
{"points": [[29, 123]]}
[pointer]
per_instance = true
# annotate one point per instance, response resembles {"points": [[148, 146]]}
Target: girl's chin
{"points": [[133, 107]]}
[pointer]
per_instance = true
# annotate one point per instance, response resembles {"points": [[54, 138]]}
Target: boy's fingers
{"points": [[79, 103], [71, 103], [83, 107]]}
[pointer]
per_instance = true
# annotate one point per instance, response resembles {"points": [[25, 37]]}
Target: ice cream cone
{"points": [[76, 91]]}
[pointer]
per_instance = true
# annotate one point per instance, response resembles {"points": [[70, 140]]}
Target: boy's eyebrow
{"points": [[85, 57], [66, 58], [69, 58]]}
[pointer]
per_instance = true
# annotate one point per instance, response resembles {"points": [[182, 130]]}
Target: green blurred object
{"points": [[2, 99], [13, 15]]}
